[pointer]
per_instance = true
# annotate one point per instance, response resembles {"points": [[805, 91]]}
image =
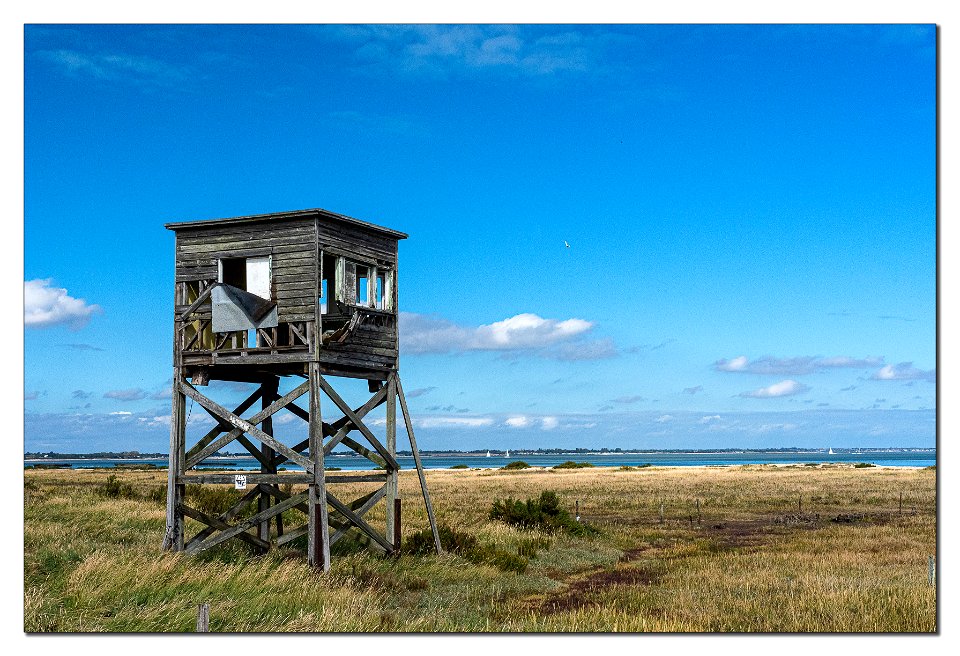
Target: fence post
{"points": [[661, 511], [577, 511], [203, 618], [698, 512], [800, 504], [900, 510], [932, 570]]}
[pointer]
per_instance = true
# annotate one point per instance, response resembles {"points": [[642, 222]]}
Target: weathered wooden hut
{"points": [[309, 294]]}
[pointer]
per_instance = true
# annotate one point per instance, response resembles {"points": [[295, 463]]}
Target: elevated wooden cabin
{"points": [[332, 280], [308, 294]]}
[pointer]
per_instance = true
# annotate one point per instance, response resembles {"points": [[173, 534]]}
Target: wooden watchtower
{"points": [[307, 294]]}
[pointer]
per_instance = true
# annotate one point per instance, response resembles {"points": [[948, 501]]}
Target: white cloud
{"points": [[797, 366], [708, 419], [446, 50], [454, 422], [44, 306], [133, 394], [523, 333], [662, 419], [420, 391], [783, 388], [767, 428], [155, 422], [517, 422], [904, 371], [114, 66], [736, 364], [549, 423]]}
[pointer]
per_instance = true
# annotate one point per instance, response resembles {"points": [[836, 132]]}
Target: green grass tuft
{"points": [[570, 464]]}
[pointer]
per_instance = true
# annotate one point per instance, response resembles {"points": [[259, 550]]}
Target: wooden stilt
{"points": [[318, 530], [416, 459], [268, 394], [173, 537], [392, 475]]}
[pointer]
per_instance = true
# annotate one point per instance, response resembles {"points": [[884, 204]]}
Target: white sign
{"points": [[240, 482]]}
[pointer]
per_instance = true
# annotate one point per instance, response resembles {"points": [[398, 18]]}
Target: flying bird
{"points": [[566, 243]]}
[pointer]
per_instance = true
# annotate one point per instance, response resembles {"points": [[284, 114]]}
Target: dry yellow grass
{"points": [[754, 562]]}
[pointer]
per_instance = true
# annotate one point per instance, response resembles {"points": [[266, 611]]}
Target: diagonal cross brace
{"points": [[345, 409], [215, 524], [244, 501], [338, 429], [361, 506], [358, 521], [216, 430], [245, 426], [248, 523]]}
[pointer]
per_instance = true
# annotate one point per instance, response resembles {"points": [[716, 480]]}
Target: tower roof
{"points": [[293, 214]]}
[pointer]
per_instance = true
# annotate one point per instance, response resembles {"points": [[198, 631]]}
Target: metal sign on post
{"points": [[240, 482]]}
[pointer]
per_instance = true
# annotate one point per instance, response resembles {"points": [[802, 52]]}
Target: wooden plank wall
{"points": [[365, 245], [289, 242], [370, 346]]}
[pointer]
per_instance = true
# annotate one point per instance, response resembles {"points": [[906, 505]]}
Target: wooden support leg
{"points": [[416, 459], [392, 474], [268, 393], [318, 535], [397, 531], [173, 537]]}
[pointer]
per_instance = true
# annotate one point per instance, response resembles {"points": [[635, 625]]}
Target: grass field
{"points": [[786, 549]]}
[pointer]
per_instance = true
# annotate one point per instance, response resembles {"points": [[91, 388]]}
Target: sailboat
{"points": [[508, 454], [488, 454], [830, 451]]}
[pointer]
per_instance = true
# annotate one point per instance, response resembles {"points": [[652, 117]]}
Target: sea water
{"points": [[353, 462]]}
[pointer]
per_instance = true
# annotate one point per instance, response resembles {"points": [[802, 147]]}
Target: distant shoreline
{"points": [[80, 457]]}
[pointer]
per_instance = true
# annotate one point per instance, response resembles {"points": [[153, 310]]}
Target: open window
{"points": [[356, 283], [328, 284], [363, 285], [251, 274]]}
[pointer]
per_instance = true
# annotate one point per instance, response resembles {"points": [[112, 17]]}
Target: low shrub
{"points": [[461, 466], [516, 464], [216, 499], [466, 546], [115, 489], [543, 513], [861, 465], [570, 464]]}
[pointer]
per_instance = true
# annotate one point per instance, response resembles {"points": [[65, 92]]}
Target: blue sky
{"points": [[750, 213]]}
